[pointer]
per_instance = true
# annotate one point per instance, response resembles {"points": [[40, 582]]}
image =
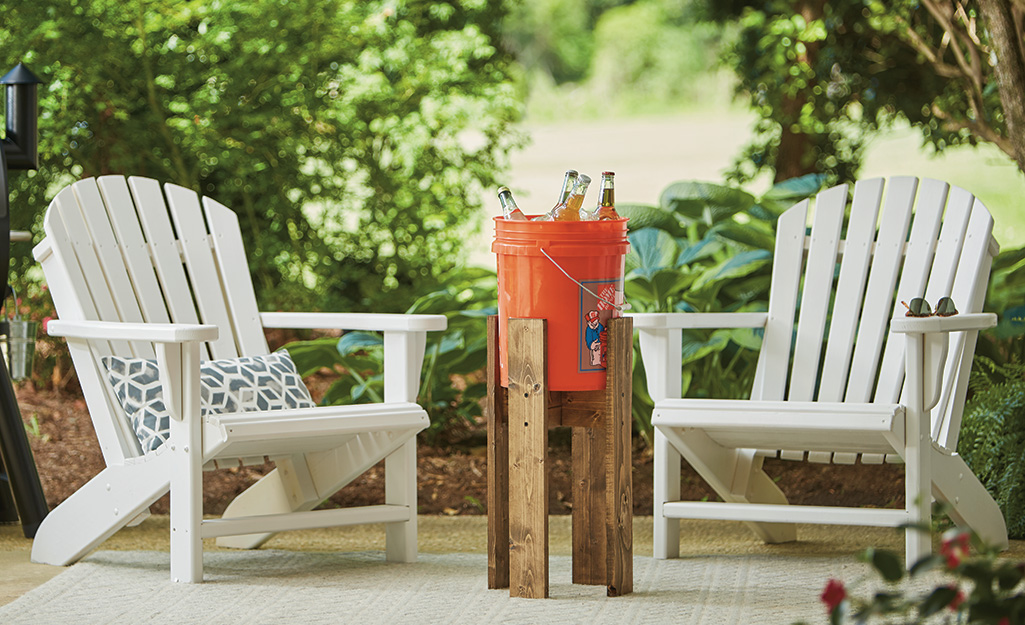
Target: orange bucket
{"points": [[570, 273]]}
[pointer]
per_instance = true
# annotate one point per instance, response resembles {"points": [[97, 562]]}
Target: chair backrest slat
{"points": [[918, 260], [238, 286], [969, 292], [815, 296], [770, 378], [135, 249], [108, 254], [167, 258], [201, 268], [850, 288], [97, 289], [882, 280]]}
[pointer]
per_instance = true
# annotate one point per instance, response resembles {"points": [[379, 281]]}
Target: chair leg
{"points": [[970, 504], [301, 482], [98, 509], [736, 475], [186, 503], [667, 488], [288, 488], [400, 489], [761, 489], [917, 457], [186, 449]]}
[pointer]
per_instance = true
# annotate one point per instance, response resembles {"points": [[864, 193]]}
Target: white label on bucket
{"points": [[594, 313]]}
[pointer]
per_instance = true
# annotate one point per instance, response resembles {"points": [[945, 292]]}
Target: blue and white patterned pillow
{"points": [[252, 383]]}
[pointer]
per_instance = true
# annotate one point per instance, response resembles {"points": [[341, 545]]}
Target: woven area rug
{"points": [[276, 587]]}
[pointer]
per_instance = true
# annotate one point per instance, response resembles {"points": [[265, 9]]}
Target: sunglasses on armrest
{"points": [[918, 307]]}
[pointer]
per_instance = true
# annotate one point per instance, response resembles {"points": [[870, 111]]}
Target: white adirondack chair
{"points": [[853, 388], [124, 284]]}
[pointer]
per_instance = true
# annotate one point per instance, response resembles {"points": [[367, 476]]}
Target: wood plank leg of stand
{"points": [[498, 467], [618, 464], [589, 506], [528, 453]]}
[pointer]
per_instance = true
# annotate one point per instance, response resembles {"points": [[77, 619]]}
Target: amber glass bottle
{"points": [[606, 208], [570, 209]]}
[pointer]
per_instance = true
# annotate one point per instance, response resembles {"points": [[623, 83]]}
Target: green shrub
{"points": [[992, 439], [353, 139]]}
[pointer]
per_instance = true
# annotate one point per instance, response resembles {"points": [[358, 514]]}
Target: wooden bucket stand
{"points": [[518, 422]]}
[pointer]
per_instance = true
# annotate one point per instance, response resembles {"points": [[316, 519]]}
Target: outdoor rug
{"points": [[275, 587]]}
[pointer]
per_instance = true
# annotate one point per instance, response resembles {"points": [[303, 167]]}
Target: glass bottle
{"points": [[509, 209], [570, 209], [606, 209], [567, 187]]}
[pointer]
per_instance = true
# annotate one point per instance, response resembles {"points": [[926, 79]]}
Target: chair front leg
{"points": [[400, 489], [917, 456], [668, 465], [661, 353], [179, 377], [403, 359]]}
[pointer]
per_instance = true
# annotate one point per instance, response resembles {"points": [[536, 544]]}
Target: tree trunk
{"points": [[1009, 70], [795, 155]]}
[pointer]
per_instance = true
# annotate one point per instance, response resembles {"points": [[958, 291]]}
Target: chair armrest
{"points": [[124, 331], [954, 323], [694, 321], [372, 322]]}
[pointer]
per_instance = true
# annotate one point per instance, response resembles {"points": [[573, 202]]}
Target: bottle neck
{"points": [[567, 187]]}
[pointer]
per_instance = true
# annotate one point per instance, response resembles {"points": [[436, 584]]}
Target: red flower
{"points": [[1004, 621], [834, 594], [955, 548], [46, 322], [958, 599]]}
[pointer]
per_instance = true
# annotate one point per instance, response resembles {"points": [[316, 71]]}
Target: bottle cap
{"points": [[502, 190], [608, 173]]}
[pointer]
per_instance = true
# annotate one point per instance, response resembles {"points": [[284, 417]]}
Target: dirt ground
{"points": [[452, 474]]}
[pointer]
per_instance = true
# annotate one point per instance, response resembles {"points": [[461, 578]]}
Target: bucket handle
{"points": [[621, 308]]}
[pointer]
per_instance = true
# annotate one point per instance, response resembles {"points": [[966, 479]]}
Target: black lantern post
{"points": [[18, 150]]}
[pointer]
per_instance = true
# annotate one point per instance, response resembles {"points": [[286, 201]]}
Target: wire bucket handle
{"points": [[619, 307]]}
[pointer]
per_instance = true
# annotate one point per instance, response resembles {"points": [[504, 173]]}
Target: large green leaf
{"points": [[704, 248], [646, 216], [743, 264], [650, 294], [696, 347], [749, 289], [785, 194], [795, 189], [749, 338], [705, 201], [311, 356], [352, 342], [650, 251], [755, 234]]}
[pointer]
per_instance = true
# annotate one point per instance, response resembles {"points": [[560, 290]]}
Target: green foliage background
{"points": [[992, 439], [352, 138]]}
